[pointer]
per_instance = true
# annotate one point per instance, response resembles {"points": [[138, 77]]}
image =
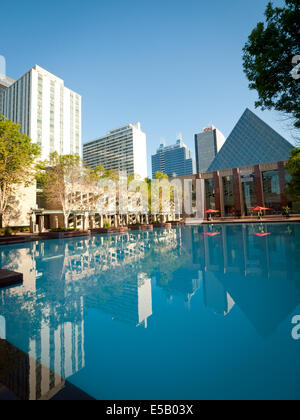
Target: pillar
{"points": [[259, 187], [92, 222], [237, 191], [85, 221], [41, 224], [282, 182], [217, 190], [32, 223]]}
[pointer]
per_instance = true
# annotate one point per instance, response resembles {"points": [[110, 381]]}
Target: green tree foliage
{"points": [[63, 181], [161, 175], [17, 157], [293, 168], [268, 56]]}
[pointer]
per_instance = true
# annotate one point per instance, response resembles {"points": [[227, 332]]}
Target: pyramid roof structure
{"points": [[251, 142]]}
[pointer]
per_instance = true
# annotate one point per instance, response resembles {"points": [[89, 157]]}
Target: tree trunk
{"points": [[66, 221]]}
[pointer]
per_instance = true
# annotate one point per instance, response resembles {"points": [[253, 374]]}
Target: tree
{"points": [[17, 158], [293, 168], [68, 184], [268, 57], [161, 175]]}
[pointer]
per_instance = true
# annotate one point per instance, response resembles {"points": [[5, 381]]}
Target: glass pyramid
{"points": [[251, 142]]}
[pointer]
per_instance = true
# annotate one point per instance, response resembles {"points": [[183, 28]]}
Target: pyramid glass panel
{"points": [[251, 142]]}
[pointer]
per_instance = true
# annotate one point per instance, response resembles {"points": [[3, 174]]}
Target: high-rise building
{"points": [[175, 160], [48, 112], [123, 149], [207, 145], [5, 83], [252, 142]]}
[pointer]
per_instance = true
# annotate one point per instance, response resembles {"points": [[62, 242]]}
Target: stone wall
{"points": [[20, 205]]}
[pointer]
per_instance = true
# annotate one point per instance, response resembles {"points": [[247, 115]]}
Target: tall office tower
{"points": [[123, 149], [5, 83], [48, 112], [207, 145], [175, 160]]}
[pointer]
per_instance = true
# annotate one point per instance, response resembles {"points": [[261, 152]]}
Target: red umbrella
{"points": [[212, 233], [259, 208], [261, 235], [211, 211]]}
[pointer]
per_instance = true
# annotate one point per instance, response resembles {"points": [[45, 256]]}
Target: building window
{"points": [[210, 194], [228, 194], [293, 204], [249, 193], [271, 187]]}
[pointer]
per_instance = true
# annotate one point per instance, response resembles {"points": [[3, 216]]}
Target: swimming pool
{"points": [[201, 312]]}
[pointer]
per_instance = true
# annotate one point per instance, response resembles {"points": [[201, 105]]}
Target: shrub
{"points": [[62, 230], [8, 231], [106, 225], [23, 229]]}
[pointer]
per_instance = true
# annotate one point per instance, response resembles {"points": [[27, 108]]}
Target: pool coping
{"points": [[10, 278], [250, 222], [46, 236]]}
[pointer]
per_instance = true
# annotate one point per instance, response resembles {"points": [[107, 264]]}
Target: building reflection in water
{"points": [[62, 280], [258, 274], [65, 279]]}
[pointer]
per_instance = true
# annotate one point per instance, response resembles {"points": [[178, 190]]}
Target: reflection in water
{"points": [[61, 279], [64, 280], [24, 378], [253, 273]]}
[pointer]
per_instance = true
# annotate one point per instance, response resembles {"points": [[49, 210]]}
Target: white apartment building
{"points": [[123, 149], [47, 111]]}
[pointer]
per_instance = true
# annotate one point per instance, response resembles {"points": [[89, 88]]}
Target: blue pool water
{"points": [[190, 313]]}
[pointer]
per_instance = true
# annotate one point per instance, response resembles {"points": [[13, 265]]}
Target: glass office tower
{"points": [[207, 145], [175, 160]]}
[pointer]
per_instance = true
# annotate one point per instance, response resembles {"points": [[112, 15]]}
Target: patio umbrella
{"points": [[211, 211], [259, 208]]}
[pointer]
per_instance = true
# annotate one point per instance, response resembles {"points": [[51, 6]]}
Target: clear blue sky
{"points": [[175, 66]]}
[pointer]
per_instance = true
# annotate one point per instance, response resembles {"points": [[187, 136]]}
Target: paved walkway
{"points": [[28, 237], [265, 219]]}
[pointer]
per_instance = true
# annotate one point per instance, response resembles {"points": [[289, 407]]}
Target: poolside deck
{"points": [[265, 219], [29, 237]]}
